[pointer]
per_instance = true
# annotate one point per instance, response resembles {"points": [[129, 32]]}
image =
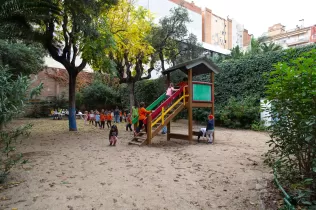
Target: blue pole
{"points": [[72, 119]]}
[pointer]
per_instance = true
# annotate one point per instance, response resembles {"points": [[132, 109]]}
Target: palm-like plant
{"points": [[18, 16], [236, 53], [270, 47]]}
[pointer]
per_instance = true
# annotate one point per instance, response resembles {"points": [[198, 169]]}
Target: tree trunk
{"points": [[131, 86], [72, 102]]}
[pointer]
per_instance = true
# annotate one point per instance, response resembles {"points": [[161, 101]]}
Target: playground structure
{"points": [[193, 95]]}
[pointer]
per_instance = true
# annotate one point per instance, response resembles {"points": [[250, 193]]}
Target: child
{"points": [[210, 128], [86, 117], [142, 112], [121, 120], [92, 117], [202, 133], [102, 119], [129, 123], [97, 119], [109, 119], [113, 135], [124, 116]]}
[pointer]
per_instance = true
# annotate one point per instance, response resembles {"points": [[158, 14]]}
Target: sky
{"points": [[258, 16]]}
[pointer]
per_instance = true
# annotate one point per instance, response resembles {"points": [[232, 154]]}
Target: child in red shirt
{"points": [[102, 119]]}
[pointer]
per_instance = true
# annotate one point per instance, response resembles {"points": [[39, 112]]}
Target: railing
{"points": [[152, 106], [157, 111], [162, 106]]}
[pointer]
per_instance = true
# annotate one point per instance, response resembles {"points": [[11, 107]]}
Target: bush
{"points": [[12, 98], [149, 90], [240, 113], [99, 95], [21, 57], [292, 92]]}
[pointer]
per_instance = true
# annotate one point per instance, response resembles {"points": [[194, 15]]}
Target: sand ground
{"points": [[78, 170]]}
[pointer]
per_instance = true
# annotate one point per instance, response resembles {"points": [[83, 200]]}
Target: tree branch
{"points": [[66, 50]]}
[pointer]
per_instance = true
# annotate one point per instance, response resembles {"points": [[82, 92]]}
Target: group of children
{"points": [[99, 119]]}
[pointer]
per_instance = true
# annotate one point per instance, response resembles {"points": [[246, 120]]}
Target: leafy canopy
{"points": [[21, 58]]}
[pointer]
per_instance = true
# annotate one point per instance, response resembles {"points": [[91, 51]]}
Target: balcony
{"points": [[297, 42]]}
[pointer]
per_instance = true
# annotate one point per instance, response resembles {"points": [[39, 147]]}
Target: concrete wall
{"points": [[162, 8], [219, 31], [237, 34]]}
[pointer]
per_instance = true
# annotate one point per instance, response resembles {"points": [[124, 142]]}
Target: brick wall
{"points": [[51, 88], [246, 38]]}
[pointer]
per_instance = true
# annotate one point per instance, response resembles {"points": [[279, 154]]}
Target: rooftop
{"points": [[199, 66]]}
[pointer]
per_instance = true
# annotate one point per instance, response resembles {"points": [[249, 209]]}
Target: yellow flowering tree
{"points": [[132, 52]]}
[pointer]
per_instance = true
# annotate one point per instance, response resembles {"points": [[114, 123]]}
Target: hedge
{"points": [[243, 77]]}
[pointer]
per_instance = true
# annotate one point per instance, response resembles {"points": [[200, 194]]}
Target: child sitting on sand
{"points": [[113, 135], [202, 133]]}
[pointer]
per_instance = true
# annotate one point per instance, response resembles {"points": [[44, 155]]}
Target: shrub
{"points": [[239, 113], [149, 90], [99, 95], [292, 92], [12, 97]]}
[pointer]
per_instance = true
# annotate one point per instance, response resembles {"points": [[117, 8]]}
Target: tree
{"points": [[184, 50], [17, 18], [21, 58], [66, 31], [270, 47], [171, 40], [259, 45], [130, 27], [236, 53]]}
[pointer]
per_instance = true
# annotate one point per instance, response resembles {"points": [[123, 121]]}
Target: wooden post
{"points": [[149, 130], [169, 124], [168, 130], [190, 117], [213, 100]]}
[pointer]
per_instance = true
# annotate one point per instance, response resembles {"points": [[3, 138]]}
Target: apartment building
{"points": [[299, 36], [216, 33]]}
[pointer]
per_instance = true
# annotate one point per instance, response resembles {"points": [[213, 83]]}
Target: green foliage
{"points": [[236, 53], [243, 77], [8, 141], [99, 95], [12, 97], [258, 126], [240, 113], [149, 90], [270, 47], [200, 114], [22, 58], [291, 89], [18, 16]]}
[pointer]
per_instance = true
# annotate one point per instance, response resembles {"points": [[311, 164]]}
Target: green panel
{"points": [[157, 102], [202, 92], [152, 106]]}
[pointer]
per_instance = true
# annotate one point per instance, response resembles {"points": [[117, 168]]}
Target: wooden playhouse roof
{"points": [[199, 66]]}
